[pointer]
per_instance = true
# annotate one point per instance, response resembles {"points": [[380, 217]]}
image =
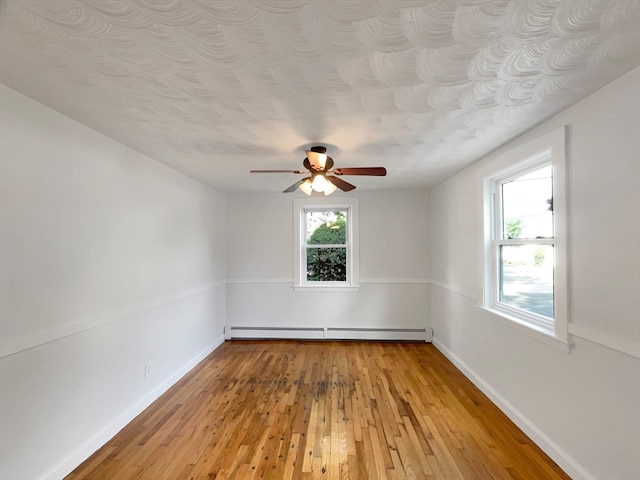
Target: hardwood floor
{"points": [[325, 410]]}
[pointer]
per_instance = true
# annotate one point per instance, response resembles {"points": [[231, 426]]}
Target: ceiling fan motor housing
{"points": [[318, 149]]}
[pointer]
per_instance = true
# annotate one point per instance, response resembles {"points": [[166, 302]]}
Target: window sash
{"points": [[307, 246], [497, 303]]}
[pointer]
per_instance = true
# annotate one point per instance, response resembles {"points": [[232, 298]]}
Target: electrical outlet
{"points": [[147, 370]]}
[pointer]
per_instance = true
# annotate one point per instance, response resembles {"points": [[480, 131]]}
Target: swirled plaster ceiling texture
{"points": [[215, 88]]}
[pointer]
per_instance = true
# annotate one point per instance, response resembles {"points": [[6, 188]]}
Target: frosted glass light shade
{"points": [[320, 183], [306, 186], [318, 160], [330, 188]]}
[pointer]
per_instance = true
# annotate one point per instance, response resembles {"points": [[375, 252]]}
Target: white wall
{"points": [[108, 261], [581, 407], [394, 239]]}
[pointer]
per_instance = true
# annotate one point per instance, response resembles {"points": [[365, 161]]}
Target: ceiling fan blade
{"points": [[371, 171], [341, 184], [293, 187], [277, 171]]}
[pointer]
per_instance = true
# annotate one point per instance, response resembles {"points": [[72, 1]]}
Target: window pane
{"points": [[526, 278], [327, 264], [527, 205], [326, 228]]}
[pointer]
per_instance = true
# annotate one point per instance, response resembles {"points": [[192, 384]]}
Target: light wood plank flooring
{"points": [[321, 410]]}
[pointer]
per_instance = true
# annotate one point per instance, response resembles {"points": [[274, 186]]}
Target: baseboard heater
{"points": [[329, 333]]}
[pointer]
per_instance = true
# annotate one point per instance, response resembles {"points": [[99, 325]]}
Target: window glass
{"points": [[326, 265], [526, 278], [527, 205], [326, 227]]}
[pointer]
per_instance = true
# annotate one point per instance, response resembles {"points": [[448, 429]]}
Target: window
{"points": [[525, 255], [325, 243], [523, 243]]}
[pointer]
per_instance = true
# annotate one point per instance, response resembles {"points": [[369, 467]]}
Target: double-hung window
{"points": [[325, 243], [525, 224]]}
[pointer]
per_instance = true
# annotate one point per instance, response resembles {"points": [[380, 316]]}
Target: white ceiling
{"points": [[216, 88]]}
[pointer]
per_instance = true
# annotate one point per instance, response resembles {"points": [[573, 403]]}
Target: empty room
{"points": [[320, 239]]}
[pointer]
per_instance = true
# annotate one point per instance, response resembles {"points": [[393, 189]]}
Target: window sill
{"points": [[327, 288], [531, 331]]}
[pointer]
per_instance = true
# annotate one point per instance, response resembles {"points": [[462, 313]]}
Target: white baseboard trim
{"points": [[87, 448], [328, 333], [560, 456]]}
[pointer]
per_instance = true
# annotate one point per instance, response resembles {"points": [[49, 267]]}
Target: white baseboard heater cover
{"points": [[326, 333]]}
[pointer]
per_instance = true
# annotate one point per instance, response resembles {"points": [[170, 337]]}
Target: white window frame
{"points": [[300, 206], [547, 150]]}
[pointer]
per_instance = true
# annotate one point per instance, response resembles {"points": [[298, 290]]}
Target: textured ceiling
{"points": [[215, 88]]}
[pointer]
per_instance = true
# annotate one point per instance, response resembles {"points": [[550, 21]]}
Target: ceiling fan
{"points": [[319, 165]]}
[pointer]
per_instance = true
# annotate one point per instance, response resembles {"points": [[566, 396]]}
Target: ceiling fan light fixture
{"points": [[320, 183], [306, 186], [330, 188]]}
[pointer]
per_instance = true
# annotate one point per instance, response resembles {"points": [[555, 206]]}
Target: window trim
{"points": [[548, 149], [300, 205]]}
